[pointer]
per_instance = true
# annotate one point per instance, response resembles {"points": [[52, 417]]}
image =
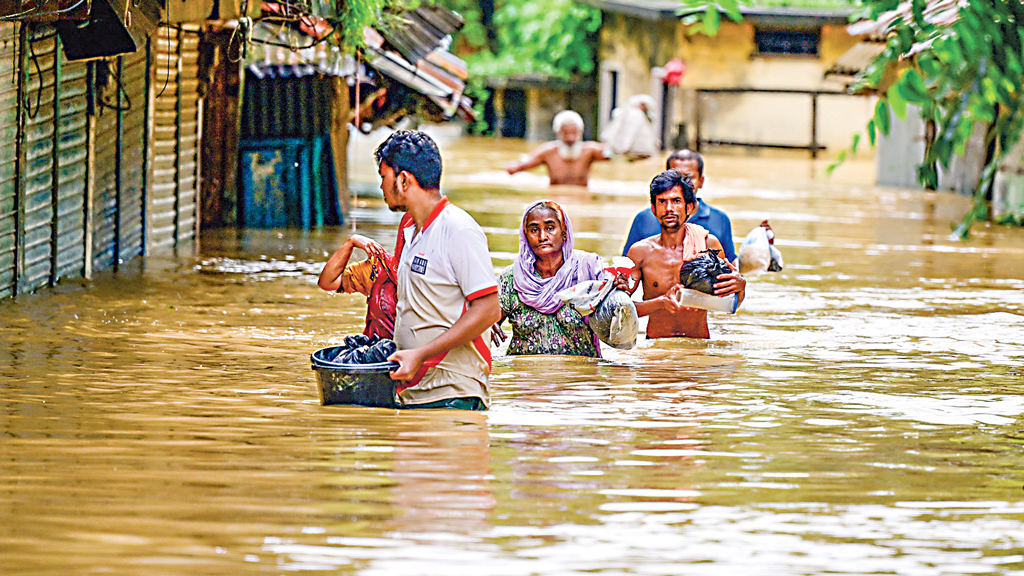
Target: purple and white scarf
{"points": [[579, 266]]}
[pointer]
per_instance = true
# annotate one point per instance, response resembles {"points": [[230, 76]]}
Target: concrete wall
{"points": [[632, 47]]}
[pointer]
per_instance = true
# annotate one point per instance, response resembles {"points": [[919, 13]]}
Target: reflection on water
{"points": [[860, 415]]}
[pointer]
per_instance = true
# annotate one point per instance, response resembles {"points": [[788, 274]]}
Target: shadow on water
{"points": [[860, 415]]}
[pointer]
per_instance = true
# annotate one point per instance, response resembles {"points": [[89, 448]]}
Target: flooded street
{"points": [[861, 414]]}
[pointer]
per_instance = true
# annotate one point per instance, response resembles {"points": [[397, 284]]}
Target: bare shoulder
{"points": [[596, 149], [639, 251], [545, 148]]}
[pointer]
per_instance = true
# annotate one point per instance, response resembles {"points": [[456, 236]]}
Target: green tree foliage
{"points": [[965, 74], [552, 38], [556, 38], [349, 17]]}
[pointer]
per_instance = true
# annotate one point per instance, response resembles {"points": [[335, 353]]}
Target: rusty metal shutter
{"points": [[72, 169], [104, 207], [37, 174], [175, 168], [134, 102], [8, 156]]}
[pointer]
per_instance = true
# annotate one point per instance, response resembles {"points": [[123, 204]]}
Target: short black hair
{"points": [[414, 152], [686, 155], [668, 180]]}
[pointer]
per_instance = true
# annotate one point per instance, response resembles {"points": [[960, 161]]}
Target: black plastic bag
{"points": [[374, 353], [362, 349], [702, 272], [358, 340]]}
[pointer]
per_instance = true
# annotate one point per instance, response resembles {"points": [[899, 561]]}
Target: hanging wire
{"points": [[36, 11], [167, 78], [355, 134], [39, 74]]}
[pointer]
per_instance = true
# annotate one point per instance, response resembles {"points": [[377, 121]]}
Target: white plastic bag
{"points": [[612, 314], [757, 254], [615, 321]]}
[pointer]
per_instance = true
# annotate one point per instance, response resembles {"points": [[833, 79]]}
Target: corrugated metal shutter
{"points": [[133, 152], [173, 192], [188, 134], [72, 158], [38, 168], [8, 156], [104, 223]]}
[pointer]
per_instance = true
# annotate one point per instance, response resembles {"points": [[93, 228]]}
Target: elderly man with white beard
{"points": [[568, 158]]}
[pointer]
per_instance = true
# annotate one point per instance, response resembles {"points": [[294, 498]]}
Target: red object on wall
{"points": [[674, 70]]}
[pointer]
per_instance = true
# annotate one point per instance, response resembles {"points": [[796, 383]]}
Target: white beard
{"points": [[570, 152]]}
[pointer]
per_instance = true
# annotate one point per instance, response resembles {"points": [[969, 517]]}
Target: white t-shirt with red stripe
{"points": [[443, 267]]}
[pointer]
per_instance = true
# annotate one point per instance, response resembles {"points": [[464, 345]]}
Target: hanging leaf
{"points": [[882, 116]]}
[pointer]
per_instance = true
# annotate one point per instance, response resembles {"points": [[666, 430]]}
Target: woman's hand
{"points": [[498, 335], [371, 247], [622, 283]]}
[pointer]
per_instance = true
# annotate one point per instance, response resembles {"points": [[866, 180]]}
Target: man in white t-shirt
{"points": [[447, 292]]}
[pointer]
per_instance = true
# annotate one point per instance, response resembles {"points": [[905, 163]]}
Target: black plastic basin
{"points": [[358, 384]]}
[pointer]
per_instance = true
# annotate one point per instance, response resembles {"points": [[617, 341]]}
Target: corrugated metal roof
{"points": [[937, 12], [417, 33], [854, 61], [411, 50]]}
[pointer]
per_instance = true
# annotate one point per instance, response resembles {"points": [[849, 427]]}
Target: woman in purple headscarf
{"points": [[547, 263]]}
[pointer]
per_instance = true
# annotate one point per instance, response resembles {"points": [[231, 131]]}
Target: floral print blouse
{"points": [[564, 332]]}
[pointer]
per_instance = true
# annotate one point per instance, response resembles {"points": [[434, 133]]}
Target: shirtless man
{"points": [[568, 158], [658, 259]]}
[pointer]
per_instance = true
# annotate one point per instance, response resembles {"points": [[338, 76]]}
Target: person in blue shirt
{"points": [[712, 219]]}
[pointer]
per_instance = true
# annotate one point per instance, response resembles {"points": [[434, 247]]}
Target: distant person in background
{"points": [[568, 158], [631, 130], [715, 221]]}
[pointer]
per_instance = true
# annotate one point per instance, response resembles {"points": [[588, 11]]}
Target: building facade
{"points": [[759, 82]]}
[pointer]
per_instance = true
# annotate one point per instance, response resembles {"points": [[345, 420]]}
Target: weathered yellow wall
{"points": [[729, 60]]}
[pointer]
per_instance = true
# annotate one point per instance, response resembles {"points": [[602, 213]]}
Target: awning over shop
{"points": [[405, 66]]}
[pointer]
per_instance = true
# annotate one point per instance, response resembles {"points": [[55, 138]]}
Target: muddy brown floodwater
{"points": [[860, 415]]}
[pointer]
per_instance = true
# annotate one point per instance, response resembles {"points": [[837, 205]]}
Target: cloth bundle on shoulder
{"points": [[610, 313], [702, 272], [362, 349], [758, 253]]}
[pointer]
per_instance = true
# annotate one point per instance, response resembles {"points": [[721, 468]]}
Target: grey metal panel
{"points": [[72, 170], [133, 152], [161, 205], [37, 172], [104, 208], [8, 156]]}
